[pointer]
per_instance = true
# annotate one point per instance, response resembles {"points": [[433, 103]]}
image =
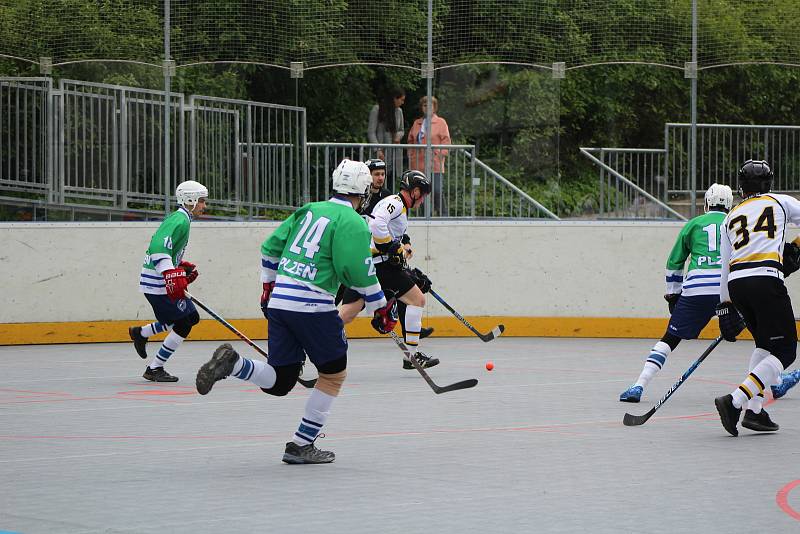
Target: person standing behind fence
{"points": [[387, 125], [440, 135]]}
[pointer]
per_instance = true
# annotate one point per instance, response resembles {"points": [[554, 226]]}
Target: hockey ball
{"points": [[489, 366]]}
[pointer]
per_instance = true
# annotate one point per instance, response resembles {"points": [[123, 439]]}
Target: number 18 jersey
{"points": [[754, 234], [699, 241]]}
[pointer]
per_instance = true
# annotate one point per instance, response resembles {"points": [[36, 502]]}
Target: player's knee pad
{"points": [[331, 383], [671, 339], [285, 379], [184, 325]]}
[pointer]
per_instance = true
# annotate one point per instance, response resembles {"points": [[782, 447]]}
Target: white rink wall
{"points": [[59, 272]]}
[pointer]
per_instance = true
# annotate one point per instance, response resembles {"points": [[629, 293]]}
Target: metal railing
{"points": [[632, 183], [467, 187], [651, 183], [722, 148], [26, 130], [102, 146], [249, 154]]}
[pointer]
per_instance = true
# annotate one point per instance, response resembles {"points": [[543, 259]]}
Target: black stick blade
{"points": [[307, 383], [636, 420], [464, 384], [496, 332]]}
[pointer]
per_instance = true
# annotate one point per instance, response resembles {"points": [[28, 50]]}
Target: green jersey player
{"points": [[692, 299], [322, 245], [163, 280]]}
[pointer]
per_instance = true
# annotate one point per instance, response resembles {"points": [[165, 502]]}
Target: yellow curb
{"points": [[207, 329]]}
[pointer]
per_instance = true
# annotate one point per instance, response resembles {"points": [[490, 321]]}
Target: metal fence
{"points": [[467, 187], [250, 154], [25, 135], [102, 147], [633, 184], [657, 183], [722, 148]]}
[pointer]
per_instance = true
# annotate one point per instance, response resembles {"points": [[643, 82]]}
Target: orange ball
{"points": [[489, 366]]}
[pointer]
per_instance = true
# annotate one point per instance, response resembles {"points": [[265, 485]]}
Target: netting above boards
{"points": [[394, 32]]}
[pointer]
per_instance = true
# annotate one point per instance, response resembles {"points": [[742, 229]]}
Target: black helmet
{"points": [[374, 164], [755, 176], [412, 179]]}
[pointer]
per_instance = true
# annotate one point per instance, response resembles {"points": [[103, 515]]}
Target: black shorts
{"points": [[391, 277], [765, 305]]}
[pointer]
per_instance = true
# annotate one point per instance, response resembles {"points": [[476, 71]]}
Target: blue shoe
{"points": [[632, 394], [788, 381]]}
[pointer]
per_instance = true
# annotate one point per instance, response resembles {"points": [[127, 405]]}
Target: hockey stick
{"points": [[496, 331], [636, 420], [464, 384], [306, 383]]}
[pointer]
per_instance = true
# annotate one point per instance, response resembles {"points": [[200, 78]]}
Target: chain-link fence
{"points": [[121, 146]]}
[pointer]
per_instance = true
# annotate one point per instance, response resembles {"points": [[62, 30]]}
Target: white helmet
{"points": [[719, 195], [189, 192], [352, 178]]}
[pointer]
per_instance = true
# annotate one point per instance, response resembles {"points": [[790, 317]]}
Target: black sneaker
{"points": [[159, 374], [423, 360], [306, 454], [760, 422], [425, 332], [139, 341], [218, 367], [728, 413]]}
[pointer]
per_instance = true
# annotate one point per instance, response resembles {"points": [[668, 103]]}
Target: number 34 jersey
{"points": [[753, 236]]}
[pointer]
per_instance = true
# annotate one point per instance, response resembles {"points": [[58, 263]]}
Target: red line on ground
{"points": [[782, 498]]}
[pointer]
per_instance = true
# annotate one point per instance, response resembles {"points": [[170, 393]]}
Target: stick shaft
{"points": [[454, 312], [635, 420], [227, 325]]}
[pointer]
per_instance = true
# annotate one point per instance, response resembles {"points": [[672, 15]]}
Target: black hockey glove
{"points": [[672, 300], [393, 250], [791, 259], [421, 279], [731, 323]]}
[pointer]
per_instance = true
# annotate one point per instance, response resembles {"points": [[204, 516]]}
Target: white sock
{"points": [[767, 372], [155, 328], [259, 373], [755, 404], [318, 408], [655, 361], [168, 348], [413, 325], [757, 357]]}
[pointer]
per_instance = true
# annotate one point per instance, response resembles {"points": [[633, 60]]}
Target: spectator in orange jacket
{"points": [[440, 135]]}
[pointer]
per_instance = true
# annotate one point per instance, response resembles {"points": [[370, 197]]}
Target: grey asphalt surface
{"points": [[88, 446]]}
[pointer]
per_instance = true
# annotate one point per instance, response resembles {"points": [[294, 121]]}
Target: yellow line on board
{"points": [[208, 329]]}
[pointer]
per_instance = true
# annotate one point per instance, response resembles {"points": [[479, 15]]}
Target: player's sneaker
{"points": [[425, 332], [632, 394], [728, 413], [788, 381], [760, 422], [306, 454], [218, 367], [424, 361], [139, 341], [159, 374]]}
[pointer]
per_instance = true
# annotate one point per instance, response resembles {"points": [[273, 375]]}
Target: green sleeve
{"points": [[681, 250], [352, 257], [275, 243]]}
